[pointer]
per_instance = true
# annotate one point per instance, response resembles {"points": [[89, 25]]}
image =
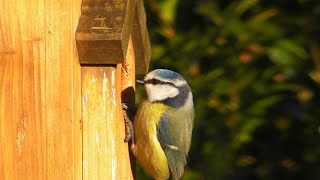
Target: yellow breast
{"points": [[148, 149]]}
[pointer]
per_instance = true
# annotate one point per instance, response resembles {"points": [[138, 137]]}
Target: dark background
{"points": [[254, 68]]}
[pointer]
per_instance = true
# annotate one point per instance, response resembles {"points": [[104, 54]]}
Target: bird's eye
{"points": [[155, 81]]}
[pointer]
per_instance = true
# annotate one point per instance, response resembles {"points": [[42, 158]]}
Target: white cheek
{"points": [[161, 92]]}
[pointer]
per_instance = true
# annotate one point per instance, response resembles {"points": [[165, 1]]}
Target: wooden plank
{"points": [[128, 81], [105, 155], [40, 135], [140, 39], [103, 31]]}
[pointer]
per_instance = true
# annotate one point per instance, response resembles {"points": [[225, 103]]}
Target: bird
{"points": [[163, 125]]}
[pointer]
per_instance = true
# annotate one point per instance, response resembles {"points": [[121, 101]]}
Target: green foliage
{"points": [[254, 68]]}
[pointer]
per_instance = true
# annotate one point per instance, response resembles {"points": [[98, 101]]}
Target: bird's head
{"points": [[168, 87]]}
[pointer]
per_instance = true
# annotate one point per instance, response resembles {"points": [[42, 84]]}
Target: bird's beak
{"points": [[140, 81]]}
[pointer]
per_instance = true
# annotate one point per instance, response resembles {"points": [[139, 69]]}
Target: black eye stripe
{"points": [[157, 81], [154, 81]]}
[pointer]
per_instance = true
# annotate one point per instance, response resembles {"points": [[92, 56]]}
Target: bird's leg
{"points": [[128, 123]]}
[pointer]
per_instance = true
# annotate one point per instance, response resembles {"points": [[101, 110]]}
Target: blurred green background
{"points": [[254, 68]]}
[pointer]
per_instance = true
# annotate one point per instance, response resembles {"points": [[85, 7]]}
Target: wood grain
{"points": [[40, 130], [105, 155]]}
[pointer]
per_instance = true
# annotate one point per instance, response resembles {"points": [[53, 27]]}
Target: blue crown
{"points": [[167, 74]]}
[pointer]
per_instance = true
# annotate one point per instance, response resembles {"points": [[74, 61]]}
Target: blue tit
{"points": [[163, 125]]}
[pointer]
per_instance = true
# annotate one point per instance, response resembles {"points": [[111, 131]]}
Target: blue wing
{"points": [[174, 135]]}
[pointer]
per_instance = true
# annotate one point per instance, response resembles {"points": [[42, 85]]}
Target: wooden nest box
{"points": [[65, 69]]}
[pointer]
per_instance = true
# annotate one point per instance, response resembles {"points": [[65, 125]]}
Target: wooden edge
{"points": [[128, 87], [126, 31], [140, 38]]}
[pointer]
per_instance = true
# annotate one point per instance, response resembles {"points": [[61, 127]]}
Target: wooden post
{"points": [[60, 114], [40, 95]]}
